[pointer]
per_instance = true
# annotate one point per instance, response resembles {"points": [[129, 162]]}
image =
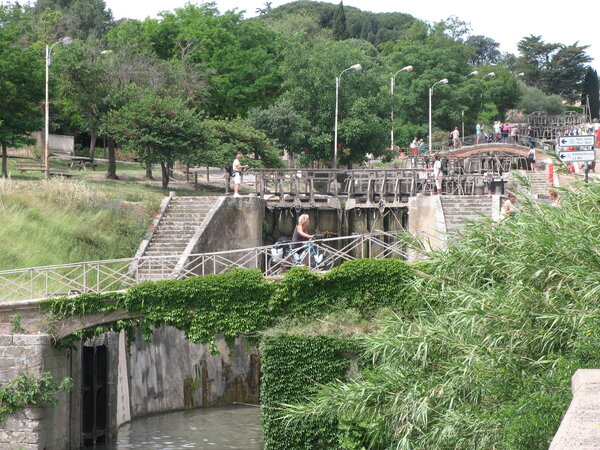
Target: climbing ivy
{"points": [[243, 301], [292, 367], [26, 390]]}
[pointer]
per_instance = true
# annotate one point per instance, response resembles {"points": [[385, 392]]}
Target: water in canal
{"points": [[208, 428]]}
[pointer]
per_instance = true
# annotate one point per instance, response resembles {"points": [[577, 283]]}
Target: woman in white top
{"points": [[510, 206]]}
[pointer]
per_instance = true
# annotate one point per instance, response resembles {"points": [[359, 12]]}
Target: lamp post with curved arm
{"points": [[66, 41], [335, 127], [392, 83], [442, 81]]}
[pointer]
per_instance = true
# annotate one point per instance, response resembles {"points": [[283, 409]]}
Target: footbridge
{"points": [[119, 274], [469, 170]]}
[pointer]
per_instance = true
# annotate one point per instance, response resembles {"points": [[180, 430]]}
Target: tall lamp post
{"points": [[474, 74], [335, 128], [392, 83], [66, 41], [442, 81]]}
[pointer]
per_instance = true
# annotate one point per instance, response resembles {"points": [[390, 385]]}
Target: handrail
{"points": [[118, 274]]}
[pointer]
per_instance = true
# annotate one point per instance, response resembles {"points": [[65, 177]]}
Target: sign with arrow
{"points": [[577, 141], [576, 155]]}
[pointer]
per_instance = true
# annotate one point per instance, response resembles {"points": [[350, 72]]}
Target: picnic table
{"points": [[82, 162], [32, 166]]}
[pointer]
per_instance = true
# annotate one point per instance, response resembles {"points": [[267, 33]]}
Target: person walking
{"points": [[237, 174]]}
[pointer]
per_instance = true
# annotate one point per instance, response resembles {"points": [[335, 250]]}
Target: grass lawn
{"points": [[83, 218]]}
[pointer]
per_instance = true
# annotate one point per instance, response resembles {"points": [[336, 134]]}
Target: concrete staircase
{"points": [[539, 182], [172, 234], [461, 209]]}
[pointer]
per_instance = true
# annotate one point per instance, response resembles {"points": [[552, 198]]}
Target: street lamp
{"points": [[472, 74], [392, 83], [442, 81], [337, 90], [66, 41]]}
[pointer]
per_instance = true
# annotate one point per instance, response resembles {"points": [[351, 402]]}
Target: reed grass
{"points": [[517, 311]]}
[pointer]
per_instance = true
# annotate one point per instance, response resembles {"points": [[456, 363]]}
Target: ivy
{"points": [[243, 301], [292, 367], [27, 390]]}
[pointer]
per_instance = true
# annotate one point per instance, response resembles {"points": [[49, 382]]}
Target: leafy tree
{"points": [[158, 129], [230, 137], [591, 89], [84, 85], [81, 18], [339, 23], [535, 57], [485, 50], [534, 99], [21, 84], [281, 123], [567, 71], [310, 69]]}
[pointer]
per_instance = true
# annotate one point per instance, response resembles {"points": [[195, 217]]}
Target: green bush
{"points": [[292, 366]]}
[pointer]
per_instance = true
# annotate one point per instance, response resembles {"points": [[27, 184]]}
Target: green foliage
{"points": [[489, 365], [339, 23], [228, 138], [158, 129], [60, 221], [80, 18], [28, 390], [534, 99], [591, 92], [243, 302], [21, 82], [292, 366], [16, 323]]}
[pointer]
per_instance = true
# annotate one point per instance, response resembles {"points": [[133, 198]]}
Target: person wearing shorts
{"points": [[237, 171]]}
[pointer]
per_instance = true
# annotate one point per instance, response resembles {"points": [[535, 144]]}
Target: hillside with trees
{"points": [[272, 77]]}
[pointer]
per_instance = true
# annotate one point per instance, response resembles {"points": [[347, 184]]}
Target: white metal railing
{"points": [[119, 274]]}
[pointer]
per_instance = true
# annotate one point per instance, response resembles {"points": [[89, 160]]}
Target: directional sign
{"points": [[576, 155], [577, 141]]}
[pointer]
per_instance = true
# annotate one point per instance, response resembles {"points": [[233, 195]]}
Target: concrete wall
{"points": [[426, 221], [57, 143], [170, 373], [579, 428]]}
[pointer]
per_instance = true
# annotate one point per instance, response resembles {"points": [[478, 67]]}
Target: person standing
{"points": [[437, 174], [237, 174], [497, 130], [456, 138], [478, 131], [414, 146], [531, 159]]}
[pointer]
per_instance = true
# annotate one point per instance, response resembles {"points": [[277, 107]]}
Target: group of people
{"points": [[417, 146]]}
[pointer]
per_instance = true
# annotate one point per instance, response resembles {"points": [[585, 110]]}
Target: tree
{"points": [[310, 68], [158, 129], [227, 138], [534, 100], [339, 23], [82, 19], [282, 124], [485, 50], [21, 84], [567, 71], [591, 89], [84, 85], [535, 57]]}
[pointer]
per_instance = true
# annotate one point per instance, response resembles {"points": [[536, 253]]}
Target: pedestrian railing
{"points": [[119, 274]]}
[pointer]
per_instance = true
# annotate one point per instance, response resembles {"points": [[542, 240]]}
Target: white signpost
{"points": [[577, 141], [576, 155]]}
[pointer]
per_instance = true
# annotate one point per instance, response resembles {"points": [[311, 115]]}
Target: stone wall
{"points": [[35, 428]]}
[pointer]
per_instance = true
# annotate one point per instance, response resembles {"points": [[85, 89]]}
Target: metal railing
{"points": [[119, 274]]}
